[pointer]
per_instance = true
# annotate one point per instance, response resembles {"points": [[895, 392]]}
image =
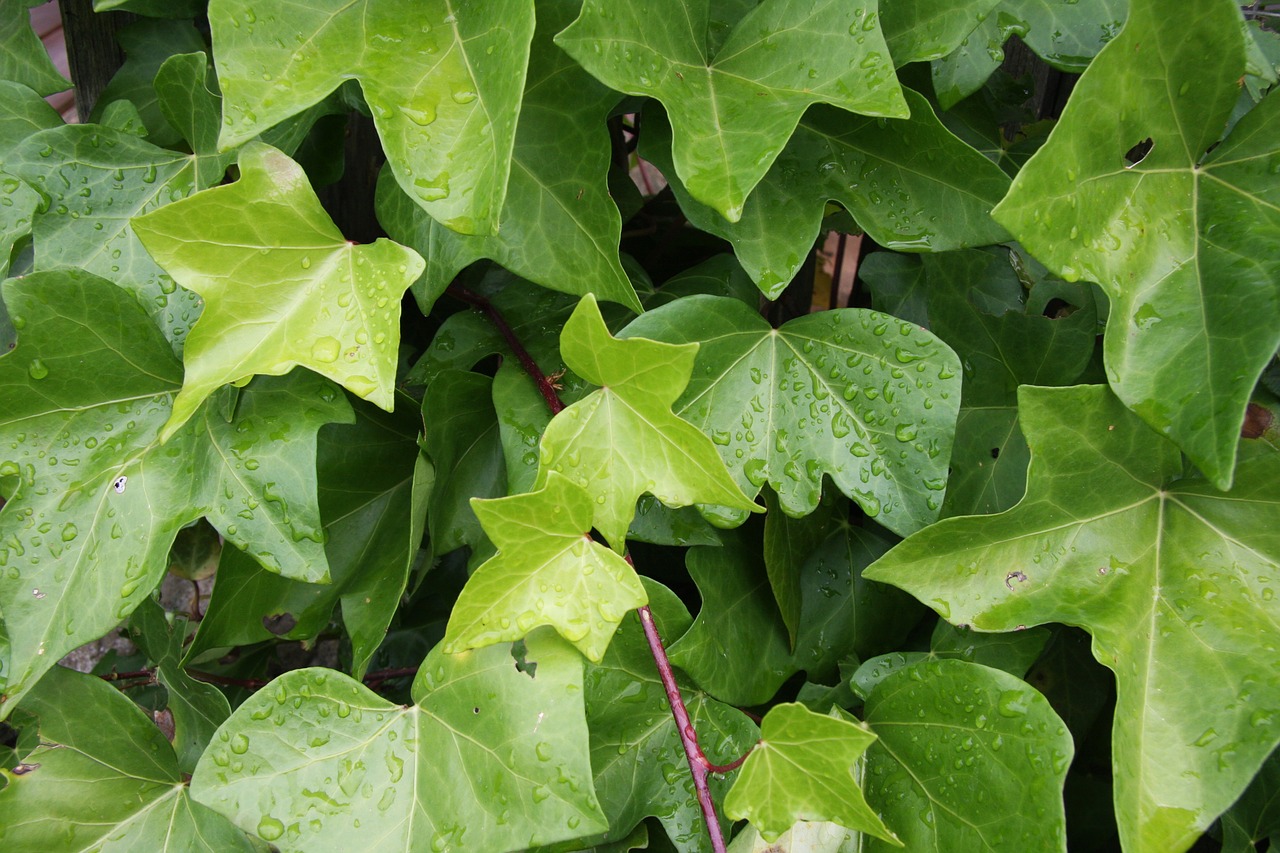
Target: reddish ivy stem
{"points": [[545, 386], [699, 765]]}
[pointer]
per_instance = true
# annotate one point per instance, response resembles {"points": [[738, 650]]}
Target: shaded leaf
{"points": [[918, 30], [560, 228], [105, 779], [859, 396], [733, 111], [444, 85], [282, 287], [1170, 238], [461, 438], [548, 571], [1169, 575], [22, 113], [18, 204], [788, 542], [968, 758], [737, 648], [893, 177], [804, 768], [623, 440], [519, 736], [187, 102], [636, 755]]}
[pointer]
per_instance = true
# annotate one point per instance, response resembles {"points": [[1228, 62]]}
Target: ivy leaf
{"points": [[803, 769], [152, 8], [444, 84], [548, 571], [85, 538], [372, 485], [104, 778], [518, 733], [18, 205], [93, 179], [967, 758], [22, 113], [623, 440], [737, 648], [733, 110], [23, 58], [147, 44], [918, 30], [788, 542], [635, 747], [1169, 575], [859, 396], [183, 93], [461, 438], [803, 837], [560, 228], [282, 287], [892, 176], [1191, 324], [1067, 35]]}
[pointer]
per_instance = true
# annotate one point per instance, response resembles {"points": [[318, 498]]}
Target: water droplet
{"points": [[37, 369], [269, 829], [326, 350]]}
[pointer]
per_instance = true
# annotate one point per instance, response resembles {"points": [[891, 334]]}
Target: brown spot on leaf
{"points": [[1257, 420]]}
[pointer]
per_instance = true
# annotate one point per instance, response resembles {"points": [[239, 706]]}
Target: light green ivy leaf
{"points": [[892, 176], [623, 440], [370, 776], [282, 287], [804, 768], [560, 228], [444, 85], [1170, 576], [859, 396], [733, 109], [1171, 238], [548, 571]]}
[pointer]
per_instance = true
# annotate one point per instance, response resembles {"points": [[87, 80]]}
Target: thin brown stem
{"points": [[545, 386]]}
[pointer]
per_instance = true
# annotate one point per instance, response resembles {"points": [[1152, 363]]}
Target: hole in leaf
{"points": [[1137, 153], [518, 652], [1056, 309], [995, 453]]}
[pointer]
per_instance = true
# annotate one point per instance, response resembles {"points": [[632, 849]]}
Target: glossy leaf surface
{"points": [[548, 571], [804, 768], [282, 287], [117, 495], [855, 395], [114, 794], [1170, 576], [733, 109], [444, 85], [623, 440], [967, 758], [472, 719], [23, 58], [892, 176], [560, 228], [1167, 233]]}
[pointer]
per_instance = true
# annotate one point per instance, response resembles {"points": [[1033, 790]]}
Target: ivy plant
{"points": [[578, 506]]}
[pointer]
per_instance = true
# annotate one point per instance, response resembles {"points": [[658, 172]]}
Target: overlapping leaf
{"points": [[511, 743], [804, 768], [734, 107], [444, 83], [623, 440], [104, 778], [548, 571], [281, 285], [856, 395], [1170, 576], [94, 179], [1172, 238], [560, 228], [147, 44], [85, 537], [919, 30], [967, 758], [895, 177], [1065, 33], [639, 765], [372, 485], [23, 58]]}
